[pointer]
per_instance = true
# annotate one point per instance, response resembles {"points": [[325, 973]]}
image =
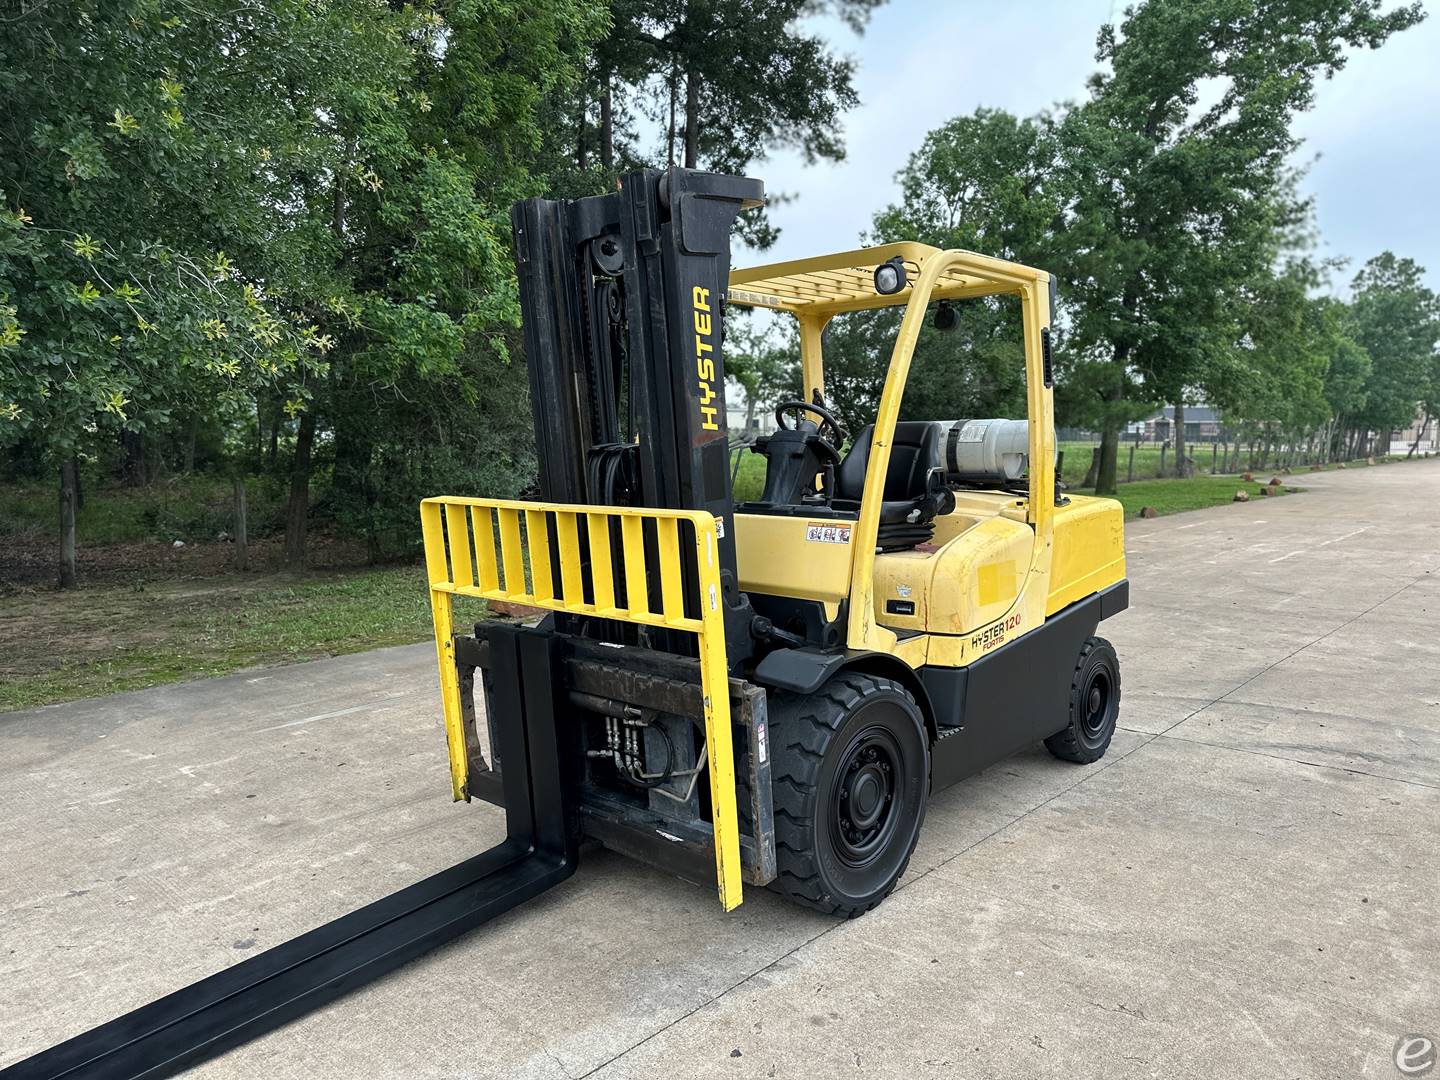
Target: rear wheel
{"points": [[1094, 705], [852, 770]]}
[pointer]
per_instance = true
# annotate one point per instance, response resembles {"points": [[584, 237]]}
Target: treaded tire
{"points": [[1094, 705], [849, 744]]}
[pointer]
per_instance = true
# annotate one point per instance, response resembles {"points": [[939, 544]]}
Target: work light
{"points": [[890, 276]]}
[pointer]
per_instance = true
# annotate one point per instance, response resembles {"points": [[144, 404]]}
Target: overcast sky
{"points": [[1374, 126]]}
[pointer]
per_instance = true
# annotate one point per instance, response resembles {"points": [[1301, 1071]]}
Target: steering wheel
{"points": [[830, 431]]}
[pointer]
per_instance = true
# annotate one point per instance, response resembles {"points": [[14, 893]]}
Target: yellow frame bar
{"points": [[816, 290], [449, 567], [827, 285], [812, 364], [1032, 288]]}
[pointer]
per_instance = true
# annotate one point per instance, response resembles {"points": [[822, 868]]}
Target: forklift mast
{"points": [[623, 297]]}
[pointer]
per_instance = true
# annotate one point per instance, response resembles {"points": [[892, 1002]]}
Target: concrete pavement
{"points": [[1244, 887]]}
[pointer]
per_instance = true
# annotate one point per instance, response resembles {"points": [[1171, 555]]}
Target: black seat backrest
{"points": [[915, 451]]}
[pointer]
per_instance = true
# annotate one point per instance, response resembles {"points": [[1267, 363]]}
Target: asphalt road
{"points": [[1246, 886]]}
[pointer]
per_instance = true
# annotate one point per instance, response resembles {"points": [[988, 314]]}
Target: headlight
{"points": [[890, 276]]}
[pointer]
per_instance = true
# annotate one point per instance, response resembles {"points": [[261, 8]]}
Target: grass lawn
{"points": [[750, 481], [59, 646], [1147, 461], [1174, 496]]}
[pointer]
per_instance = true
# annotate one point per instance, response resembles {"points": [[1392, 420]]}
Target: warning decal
{"points": [[822, 532]]}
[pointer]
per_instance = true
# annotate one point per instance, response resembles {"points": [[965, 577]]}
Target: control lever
{"points": [[765, 630]]}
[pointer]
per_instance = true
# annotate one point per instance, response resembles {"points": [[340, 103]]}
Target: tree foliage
{"points": [[284, 214], [723, 82], [424, 305], [282, 226], [140, 184], [767, 368], [1288, 343], [1397, 322], [1165, 205], [1177, 173], [273, 234]]}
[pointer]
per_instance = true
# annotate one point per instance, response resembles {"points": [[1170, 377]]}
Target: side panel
{"points": [[793, 556], [1089, 550], [1009, 699], [974, 579]]}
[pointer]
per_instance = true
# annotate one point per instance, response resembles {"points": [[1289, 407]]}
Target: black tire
{"points": [[1094, 705], [858, 741]]}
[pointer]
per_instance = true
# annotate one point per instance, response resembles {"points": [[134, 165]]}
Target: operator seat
{"points": [[913, 492]]}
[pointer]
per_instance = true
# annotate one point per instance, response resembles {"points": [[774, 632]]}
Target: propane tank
{"points": [[986, 451]]}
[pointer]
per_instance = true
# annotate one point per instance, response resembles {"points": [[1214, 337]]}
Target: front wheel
{"points": [[852, 770], [1094, 705]]}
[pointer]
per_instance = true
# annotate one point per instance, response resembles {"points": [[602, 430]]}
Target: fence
{"points": [[1141, 458]]}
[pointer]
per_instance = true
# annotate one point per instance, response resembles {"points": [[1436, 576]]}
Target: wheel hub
{"points": [[864, 797], [866, 790], [1097, 704]]}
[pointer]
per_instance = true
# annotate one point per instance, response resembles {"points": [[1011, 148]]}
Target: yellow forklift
{"points": [[758, 694]]}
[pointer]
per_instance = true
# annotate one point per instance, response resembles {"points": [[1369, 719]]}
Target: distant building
{"points": [[1202, 424], [737, 407]]}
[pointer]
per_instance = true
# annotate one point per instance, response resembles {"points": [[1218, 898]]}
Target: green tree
{"points": [[857, 352], [1177, 173], [1430, 406], [974, 370], [422, 296], [1346, 373], [145, 157], [725, 82], [983, 182], [1397, 322], [292, 208], [467, 433], [1277, 382]]}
